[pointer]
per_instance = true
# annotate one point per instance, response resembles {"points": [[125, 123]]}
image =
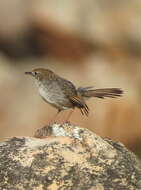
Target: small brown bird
{"points": [[62, 94]]}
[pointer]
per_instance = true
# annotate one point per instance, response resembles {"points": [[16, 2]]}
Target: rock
{"points": [[69, 158]]}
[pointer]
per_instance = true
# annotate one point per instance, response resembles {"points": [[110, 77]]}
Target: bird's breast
{"points": [[50, 93], [54, 95]]}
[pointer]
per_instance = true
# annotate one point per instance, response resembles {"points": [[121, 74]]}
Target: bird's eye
{"points": [[35, 73]]}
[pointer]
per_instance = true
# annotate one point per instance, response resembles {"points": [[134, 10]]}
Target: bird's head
{"points": [[41, 74]]}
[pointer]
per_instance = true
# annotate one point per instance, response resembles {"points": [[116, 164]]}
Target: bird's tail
{"points": [[88, 92]]}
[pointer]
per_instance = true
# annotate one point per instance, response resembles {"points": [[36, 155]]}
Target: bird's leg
{"points": [[70, 113], [53, 120]]}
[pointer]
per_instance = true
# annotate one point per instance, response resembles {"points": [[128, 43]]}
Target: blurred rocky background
{"points": [[91, 43]]}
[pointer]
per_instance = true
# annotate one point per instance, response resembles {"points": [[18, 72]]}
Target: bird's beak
{"points": [[28, 73]]}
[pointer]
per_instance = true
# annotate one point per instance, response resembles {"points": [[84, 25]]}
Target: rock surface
{"points": [[69, 158]]}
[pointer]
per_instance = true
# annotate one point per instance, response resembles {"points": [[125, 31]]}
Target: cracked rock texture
{"points": [[69, 158]]}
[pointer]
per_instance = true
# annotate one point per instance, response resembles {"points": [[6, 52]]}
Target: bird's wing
{"points": [[67, 87], [70, 92], [79, 103]]}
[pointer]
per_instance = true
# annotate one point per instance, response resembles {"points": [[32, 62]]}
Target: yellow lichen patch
{"points": [[48, 168], [63, 140], [91, 167], [53, 186], [26, 159], [80, 159], [40, 187], [109, 162], [72, 157], [124, 181], [98, 187], [19, 187]]}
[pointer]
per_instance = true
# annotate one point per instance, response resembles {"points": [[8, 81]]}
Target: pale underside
{"points": [[55, 96]]}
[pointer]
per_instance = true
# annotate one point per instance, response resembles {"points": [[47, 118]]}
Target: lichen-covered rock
{"points": [[69, 158]]}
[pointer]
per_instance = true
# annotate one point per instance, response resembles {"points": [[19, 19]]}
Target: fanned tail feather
{"points": [[88, 92]]}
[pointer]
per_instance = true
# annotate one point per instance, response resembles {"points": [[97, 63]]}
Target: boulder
{"points": [[67, 157]]}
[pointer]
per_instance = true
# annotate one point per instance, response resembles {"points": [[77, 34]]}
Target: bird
{"points": [[63, 94]]}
